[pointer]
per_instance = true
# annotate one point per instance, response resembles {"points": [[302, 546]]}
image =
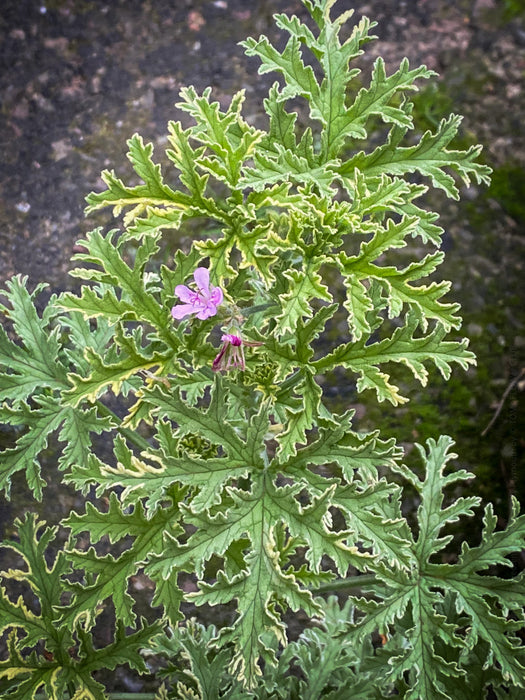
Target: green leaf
{"points": [[44, 581], [282, 123], [44, 418], [375, 99], [108, 576], [153, 192], [76, 434], [495, 546], [304, 285], [487, 600], [429, 157], [100, 301], [56, 668], [154, 221], [284, 165], [107, 265], [353, 452], [326, 100], [431, 515], [132, 360], [207, 669], [209, 424], [366, 508], [226, 134], [34, 363], [301, 419], [16, 669], [113, 523], [126, 649], [252, 248], [339, 124], [367, 517], [402, 347], [41, 421], [63, 664], [136, 479], [207, 476], [299, 79], [393, 236], [425, 299], [256, 515], [170, 597], [185, 157], [477, 607], [17, 615]]}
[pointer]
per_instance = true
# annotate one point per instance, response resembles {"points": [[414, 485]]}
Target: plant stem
{"points": [[351, 582], [131, 435]]}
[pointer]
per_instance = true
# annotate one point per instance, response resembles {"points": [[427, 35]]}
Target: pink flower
{"points": [[231, 354], [202, 302]]}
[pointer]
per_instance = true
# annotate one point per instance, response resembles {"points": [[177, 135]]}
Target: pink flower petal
{"points": [[182, 310], [216, 296], [202, 280], [217, 362], [207, 311], [202, 302], [184, 293], [233, 339]]}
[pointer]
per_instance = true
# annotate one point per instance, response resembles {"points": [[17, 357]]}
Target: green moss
{"points": [[430, 104], [512, 9], [508, 189]]}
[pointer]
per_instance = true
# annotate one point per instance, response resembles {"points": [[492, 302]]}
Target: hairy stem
{"points": [[351, 582], [131, 435]]}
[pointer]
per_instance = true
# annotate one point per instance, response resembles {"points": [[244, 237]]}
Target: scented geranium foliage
{"points": [[313, 257]]}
